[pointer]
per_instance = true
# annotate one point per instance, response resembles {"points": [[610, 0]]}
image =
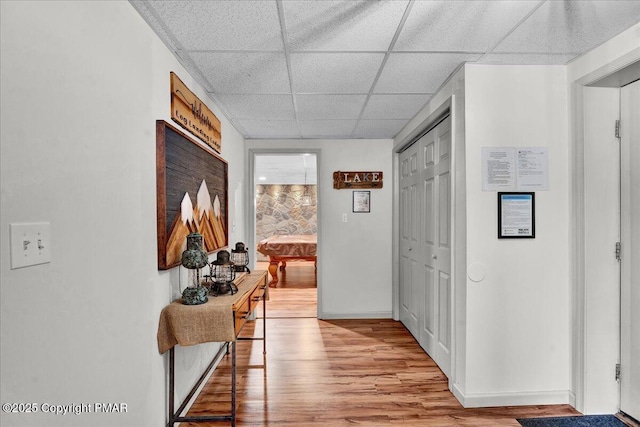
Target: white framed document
{"points": [[362, 201]]}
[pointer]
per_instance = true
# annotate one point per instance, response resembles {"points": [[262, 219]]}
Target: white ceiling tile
{"points": [[342, 25], [326, 128], [329, 106], [334, 51], [222, 25], [419, 72], [526, 58], [334, 72], [244, 72], [257, 129], [468, 26], [394, 106], [286, 169], [379, 128], [278, 107], [571, 26]]}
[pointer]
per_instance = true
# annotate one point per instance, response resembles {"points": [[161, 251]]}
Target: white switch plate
{"points": [[30, 244], [344, 217]]}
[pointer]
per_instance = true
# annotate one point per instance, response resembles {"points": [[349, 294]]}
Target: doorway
{"points": [[629, 250], [611, 350], [285, 206]]}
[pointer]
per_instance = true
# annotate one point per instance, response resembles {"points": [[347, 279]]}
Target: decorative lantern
{"points": [[240, 258], [222, 273], [194, 258]]}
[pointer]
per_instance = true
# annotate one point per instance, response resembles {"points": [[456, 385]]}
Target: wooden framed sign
{"points": [[357, 180], [192, 114]]}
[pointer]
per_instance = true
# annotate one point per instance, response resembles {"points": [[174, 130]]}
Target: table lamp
{"points": [[194, 258], [240, 258], [222, 272]]}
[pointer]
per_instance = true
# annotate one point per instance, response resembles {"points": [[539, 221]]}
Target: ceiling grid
{"points": [[347, 69]]}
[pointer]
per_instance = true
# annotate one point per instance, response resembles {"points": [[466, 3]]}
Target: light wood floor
{"points": [[339, 373]]}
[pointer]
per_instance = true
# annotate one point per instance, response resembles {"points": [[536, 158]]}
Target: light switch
{"points": [[344, 217], [30, 244]]}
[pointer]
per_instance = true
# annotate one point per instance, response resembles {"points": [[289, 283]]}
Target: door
{"points": [[630, 245], [425, 254], [409, 248], [435, 332]]}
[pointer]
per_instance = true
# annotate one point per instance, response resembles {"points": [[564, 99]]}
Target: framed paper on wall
{"points": [[516, 215], [192, 194], [362, 201]]}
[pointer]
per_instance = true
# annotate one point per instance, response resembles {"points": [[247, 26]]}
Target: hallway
{"points": [[340, 372]]}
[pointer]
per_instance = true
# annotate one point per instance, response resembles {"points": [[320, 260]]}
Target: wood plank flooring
{"points": [[296, 293], [339, 373]]}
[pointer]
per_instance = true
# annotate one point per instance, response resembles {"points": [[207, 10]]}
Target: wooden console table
{"points": [[219, 320]]}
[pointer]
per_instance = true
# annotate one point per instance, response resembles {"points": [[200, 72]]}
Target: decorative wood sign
{"points": [[192, 114], [192, 194], [357, 180]]}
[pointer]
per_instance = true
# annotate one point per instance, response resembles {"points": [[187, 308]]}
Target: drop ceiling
{"points": [[362, 69]]}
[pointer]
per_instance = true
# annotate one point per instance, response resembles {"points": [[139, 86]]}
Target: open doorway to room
{"points": [[286, 226]]}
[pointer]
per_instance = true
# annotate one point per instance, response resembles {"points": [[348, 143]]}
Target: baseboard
{"points": [[367, 315], [483, 400]]}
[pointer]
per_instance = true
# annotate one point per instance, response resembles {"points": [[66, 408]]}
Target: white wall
{"points": [[518, 322], [525, 335], [354, 258], [82, 85], [512, 330]]}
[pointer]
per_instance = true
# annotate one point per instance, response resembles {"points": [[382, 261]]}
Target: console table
{"points": [[219, 320]]}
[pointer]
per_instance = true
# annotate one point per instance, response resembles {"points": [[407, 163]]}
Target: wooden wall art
{"points": [[192, 194], [354, 180], [193, 115]]}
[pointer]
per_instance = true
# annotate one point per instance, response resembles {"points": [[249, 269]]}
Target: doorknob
{"points": [[434, 256]]}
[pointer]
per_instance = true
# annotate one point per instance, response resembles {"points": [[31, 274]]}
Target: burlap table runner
{"points": [[196, 324]]}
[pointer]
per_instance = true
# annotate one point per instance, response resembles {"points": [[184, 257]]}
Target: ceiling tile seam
{"points": [[321, 93], [392, 44], [437, 52], [530, 53], [282, 51], [201, 78], [253, 93], [287, 55], [515, 27], [236, 50], [401, 52], [178, 50]]}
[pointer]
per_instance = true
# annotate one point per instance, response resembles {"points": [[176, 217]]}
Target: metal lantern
{"points": [[240, 257], [193, 259], [222, 273]]}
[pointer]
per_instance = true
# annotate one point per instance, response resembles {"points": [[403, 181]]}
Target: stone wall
{"points": [[279, 210]]}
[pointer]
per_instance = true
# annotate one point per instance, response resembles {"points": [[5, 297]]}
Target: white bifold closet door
{"points": [[425, 242]]}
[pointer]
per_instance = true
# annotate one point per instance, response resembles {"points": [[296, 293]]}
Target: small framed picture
{"points": [[516, 215], [362, 201]]}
